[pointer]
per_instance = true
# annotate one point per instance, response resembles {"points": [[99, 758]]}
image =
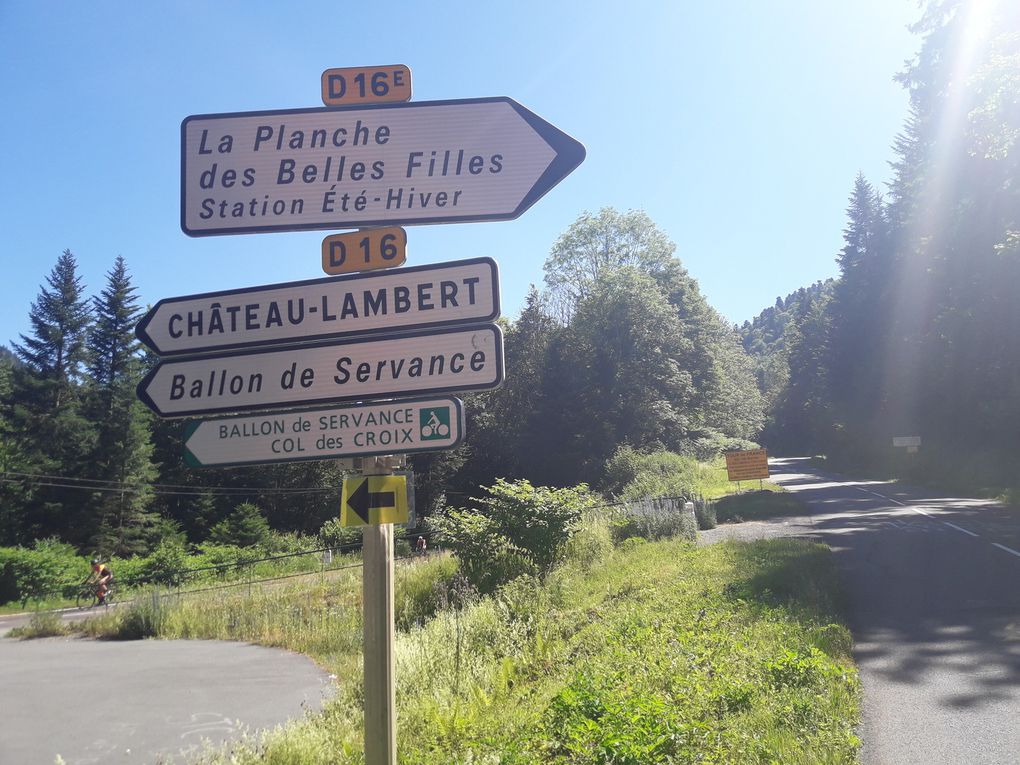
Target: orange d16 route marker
{"points": [[366, 84], [365, 250]]}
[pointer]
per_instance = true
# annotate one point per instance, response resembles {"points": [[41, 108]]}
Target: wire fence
{"points": [[650, 511]]}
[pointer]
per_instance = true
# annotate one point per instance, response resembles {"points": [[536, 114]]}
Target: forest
{"points": [[918, 335], [619, 349]]}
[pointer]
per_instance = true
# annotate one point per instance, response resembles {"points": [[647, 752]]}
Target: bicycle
{"points": [[88, 596]]}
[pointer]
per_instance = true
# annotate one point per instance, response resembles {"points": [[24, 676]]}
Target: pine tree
{"points": [[52, 436], [122, 456], [54, 353]]}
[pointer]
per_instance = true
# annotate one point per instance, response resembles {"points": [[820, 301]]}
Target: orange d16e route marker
{"points": [[366, 84], [365, 250]]}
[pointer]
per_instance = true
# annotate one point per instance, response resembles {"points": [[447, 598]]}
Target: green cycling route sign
{"points": [[407, 425]]}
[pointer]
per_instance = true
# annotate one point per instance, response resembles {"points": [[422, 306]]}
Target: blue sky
{"points": [[738, 126]]}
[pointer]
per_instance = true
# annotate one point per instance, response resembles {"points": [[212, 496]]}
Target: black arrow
{"points": [[362, 500]]}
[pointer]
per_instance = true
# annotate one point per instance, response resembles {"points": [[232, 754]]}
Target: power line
{"points": [[118, 487]]}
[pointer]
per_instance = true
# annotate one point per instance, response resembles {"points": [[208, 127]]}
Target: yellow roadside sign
{"points": [[365, 250], [374, 499], [747, 466]]}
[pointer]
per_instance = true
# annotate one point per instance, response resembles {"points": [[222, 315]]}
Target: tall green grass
{"points": [[663, 653]]}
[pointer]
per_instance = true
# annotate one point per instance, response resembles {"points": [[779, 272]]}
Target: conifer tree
{"points": [[122, 457], [51, 433]]}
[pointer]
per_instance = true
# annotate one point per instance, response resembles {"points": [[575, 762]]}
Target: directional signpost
{"points": [[476, 159], [444, 294], [382, 339], [405, 426], [428, 361]]}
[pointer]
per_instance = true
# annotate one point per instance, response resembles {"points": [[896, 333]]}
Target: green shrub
{"points": [[285, 542], [655, 519], [37, 573], [635, 475], [591, 542], [711, 444], [145, 617], [518, 529], [704, 512], [420, 589], [129, 572], [166, 565], [630, 544], [228, 560], [245, 527], [332, 534], [42, 624]]}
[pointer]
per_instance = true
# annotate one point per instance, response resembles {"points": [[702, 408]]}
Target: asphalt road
{"points": [[143, 701], [932, 584]]}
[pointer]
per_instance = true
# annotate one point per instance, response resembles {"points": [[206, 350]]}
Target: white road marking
{"points": [[881, 496], [1010, 550], [959, 528]]}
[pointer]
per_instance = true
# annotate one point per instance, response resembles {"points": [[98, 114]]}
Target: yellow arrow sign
{"points": [[374, 499]]}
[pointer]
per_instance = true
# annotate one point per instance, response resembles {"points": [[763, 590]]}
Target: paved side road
{"points": [[143, 701], [932, 584]]}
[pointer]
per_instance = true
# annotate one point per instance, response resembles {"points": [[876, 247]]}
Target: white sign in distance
{"points": [[404, 426], [908, 441], [427, 361], [373, 165], [442, 294]]}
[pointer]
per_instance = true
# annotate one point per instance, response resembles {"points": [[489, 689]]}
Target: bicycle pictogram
{"points": [[435, 423]]}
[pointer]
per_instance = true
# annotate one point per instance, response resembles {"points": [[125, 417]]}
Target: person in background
{"points": [[101, 576], [419, 546]]}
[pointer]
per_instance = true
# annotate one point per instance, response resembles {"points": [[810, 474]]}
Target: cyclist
{"points": [[102, 578]]}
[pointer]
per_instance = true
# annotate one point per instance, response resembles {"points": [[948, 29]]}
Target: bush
{"points": [[517, 529], [166, 564], [635, 475], [704, 512], [591, 543], [332, 534], [711, 444], [227, 559], [145, 617], [42, 624], [245, 527], [655, 519], [421, 589], [129, 572], [34, 574], [286, 542]]}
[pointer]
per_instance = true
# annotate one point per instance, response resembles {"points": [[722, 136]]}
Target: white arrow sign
{"points": [[425, 162], [406, 426], [429, 361], [446, 294]]}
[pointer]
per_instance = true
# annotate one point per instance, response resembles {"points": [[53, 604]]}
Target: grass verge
{"points": [[712, 482], [655, 653], [756, 505], [42, 624]]}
